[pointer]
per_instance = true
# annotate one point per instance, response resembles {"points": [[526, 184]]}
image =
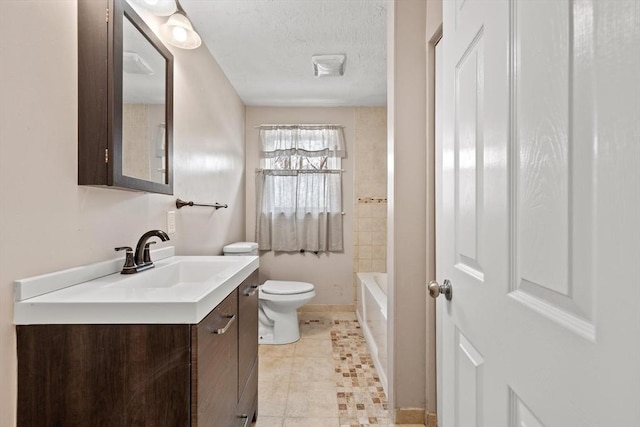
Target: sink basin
{"points": [[180, 289], [178, 272]]}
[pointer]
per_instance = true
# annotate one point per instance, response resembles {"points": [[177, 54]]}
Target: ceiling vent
{"points": [[133, 63], [328, 65]]}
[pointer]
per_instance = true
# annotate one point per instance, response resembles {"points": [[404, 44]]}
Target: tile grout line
{"points": [[359, 395], [289, 381], [361, 398]]}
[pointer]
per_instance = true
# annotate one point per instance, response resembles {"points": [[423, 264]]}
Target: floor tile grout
{"points": [[359, 396]]}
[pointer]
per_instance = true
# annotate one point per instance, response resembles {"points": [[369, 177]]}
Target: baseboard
{"points": [[323, 308], [432, 419], [409, 416]]}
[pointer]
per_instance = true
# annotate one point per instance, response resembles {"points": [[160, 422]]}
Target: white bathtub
{"points": [[371, 309]]}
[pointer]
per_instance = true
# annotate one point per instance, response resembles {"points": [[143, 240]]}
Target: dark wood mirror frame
{"points": [[100, 41]]}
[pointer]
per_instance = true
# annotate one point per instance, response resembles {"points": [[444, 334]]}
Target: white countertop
{"points": [[179, 289]]}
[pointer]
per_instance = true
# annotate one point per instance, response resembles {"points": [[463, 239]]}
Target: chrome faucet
{"points": [[142, 256]]}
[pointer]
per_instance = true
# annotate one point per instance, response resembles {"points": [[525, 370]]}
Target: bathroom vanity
{"points": [[154, 371]]}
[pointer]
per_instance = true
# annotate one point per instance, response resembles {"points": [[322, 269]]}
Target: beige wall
{"points": [[407, 205], [48, 222], [331, 273]]}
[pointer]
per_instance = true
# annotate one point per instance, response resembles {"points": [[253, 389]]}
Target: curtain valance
{"points": [[302, 140]]}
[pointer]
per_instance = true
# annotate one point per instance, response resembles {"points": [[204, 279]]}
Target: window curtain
{"points": [[310, 141], [299, 203]]}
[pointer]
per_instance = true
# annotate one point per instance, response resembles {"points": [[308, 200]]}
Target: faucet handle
{"points": [[129, 265], [147, 254]]}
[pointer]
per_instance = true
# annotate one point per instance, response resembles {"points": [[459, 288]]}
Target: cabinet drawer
{"points": [[248, 404], [214, 365]]}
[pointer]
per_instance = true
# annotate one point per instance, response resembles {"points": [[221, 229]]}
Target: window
{"points": [[299, 188]]}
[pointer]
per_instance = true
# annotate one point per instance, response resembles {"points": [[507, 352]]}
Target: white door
{"points": [[538, 214]]}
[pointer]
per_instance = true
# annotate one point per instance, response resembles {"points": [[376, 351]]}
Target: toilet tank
{"points": [[241, 248]]}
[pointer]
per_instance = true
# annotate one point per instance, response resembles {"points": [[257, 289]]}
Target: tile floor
{"points": [[327, 379]]}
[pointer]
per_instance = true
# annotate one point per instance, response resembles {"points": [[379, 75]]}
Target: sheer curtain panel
{"points": [[299, 189]]}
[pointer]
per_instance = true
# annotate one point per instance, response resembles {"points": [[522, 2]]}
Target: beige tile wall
{"points": [[370, 183]]}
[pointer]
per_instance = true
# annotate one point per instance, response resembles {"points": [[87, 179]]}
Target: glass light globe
{"points": [[179, 34]]}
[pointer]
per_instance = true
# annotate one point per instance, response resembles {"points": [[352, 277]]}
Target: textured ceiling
{"points": [[265, 47]]}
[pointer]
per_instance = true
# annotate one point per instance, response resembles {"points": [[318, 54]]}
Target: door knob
{"points": [[435, 289]]}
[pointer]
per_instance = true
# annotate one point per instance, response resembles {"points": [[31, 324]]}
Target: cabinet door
{"points": [[214, 366], [103, 375], [248, 324]]}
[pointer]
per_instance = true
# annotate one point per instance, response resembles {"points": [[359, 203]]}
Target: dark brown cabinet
{"points": [[125, 111], [143, 375], [214, 380], [248, 347]]}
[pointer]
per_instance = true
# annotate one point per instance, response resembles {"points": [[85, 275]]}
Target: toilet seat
{"points": [[284, 287]]}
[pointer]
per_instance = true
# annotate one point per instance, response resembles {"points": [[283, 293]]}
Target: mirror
{"points": [[143, 107], [126, 107]]}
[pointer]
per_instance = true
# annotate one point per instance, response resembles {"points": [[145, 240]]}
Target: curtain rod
{"points": [[297, 125]]}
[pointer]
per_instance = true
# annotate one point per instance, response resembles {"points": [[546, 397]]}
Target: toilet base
{"points": [[283, 330], [267, 339]]}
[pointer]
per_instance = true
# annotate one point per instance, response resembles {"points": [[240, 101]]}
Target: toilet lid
{"points": [[283, 287]]}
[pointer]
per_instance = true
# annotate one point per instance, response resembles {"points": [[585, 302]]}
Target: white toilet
{"points": [[278, 302]]}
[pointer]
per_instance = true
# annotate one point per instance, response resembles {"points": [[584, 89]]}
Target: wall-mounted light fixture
{"points": [[157, 7], [178, 30]]}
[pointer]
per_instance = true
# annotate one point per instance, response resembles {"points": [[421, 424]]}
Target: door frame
{"points": [[434, 32]]}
